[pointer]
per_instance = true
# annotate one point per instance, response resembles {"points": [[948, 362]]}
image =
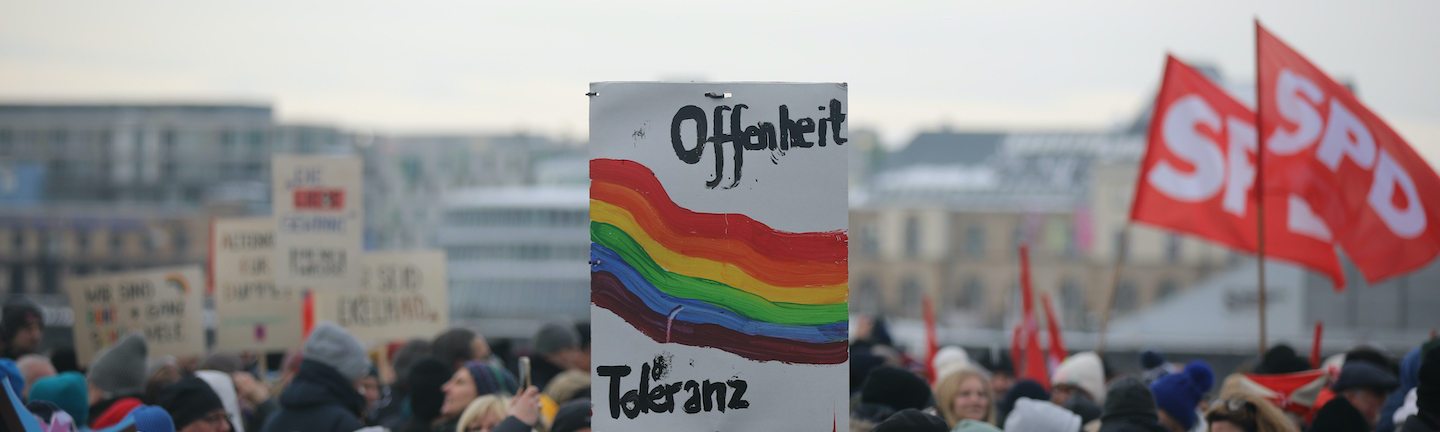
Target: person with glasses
{"points": [[194, 406], [1247, 413]]}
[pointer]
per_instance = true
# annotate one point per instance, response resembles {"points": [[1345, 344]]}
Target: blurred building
{"points": [[517, 257], [946, 215], [98, 188]]}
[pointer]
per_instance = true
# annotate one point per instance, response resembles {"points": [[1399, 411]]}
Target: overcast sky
{"points": [[468, 66]]}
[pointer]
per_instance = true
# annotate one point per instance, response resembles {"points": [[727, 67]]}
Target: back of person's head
{"points": [[1179, 394], [66, 390], [1024, 388], [572, 416], [120, 369], [406, 357], [454, 346], [1032, 415], [1249, 413], [426, 398], [1427, 391], [895, 388], [224, 362], [912, 420], [1129, 397], [151, 418], [64, 359], [555, 337], [482, 407], [1281, 359], [568, 385], [335, 347]]}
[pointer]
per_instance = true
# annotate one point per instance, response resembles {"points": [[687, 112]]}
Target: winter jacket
{"points": [[512, 424], [1409, 378], [1416, 423], [318, 400]]}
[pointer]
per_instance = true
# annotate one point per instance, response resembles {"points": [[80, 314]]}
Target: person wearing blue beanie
{"points": [[151, 418], [1178, 395]]}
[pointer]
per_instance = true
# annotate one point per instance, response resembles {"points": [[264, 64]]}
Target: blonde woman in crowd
{"points": [[483, 414], [965, 394]]}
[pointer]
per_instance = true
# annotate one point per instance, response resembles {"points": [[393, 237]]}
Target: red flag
{"points": [[1379, 197], [1034, 366], [1294, 392], [1198, 177], [1315, 344], [1057, 339], [931, 343]]}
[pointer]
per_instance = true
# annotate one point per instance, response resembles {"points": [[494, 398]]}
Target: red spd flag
{"points": [[1381, 200], [1198, 177]]}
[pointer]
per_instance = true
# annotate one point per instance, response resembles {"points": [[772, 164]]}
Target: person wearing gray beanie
{"points": [[117, 378], [557, 349], [322, 395]]}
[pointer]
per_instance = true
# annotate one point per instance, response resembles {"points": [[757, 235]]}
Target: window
{"points": [[972, 295], [17, 240], [167, 143], [1172, 248], [912, 236], [117, 241], [869, 240], [1127, 297], [975, 240], [82, 242], [17, 279], [910, 297], [181, 241], [7, 141], [867, 297], [1167, 288]]}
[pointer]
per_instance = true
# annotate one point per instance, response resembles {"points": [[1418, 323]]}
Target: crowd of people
{"points": [[453, 382], [334, 383], [1360, 390]]}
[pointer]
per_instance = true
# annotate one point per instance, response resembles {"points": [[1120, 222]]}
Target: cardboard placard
{"points": [[251, 312], [319, 227], [402, 295], [719, 257], [164, 304]]}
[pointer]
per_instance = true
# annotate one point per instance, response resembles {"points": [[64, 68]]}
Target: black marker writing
{"points": [[759, 136]]}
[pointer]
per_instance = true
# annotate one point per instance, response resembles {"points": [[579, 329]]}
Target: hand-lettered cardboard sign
{"points": [[719, 258], [164, 304], [402, 295], [251, 312], [319, 206]]}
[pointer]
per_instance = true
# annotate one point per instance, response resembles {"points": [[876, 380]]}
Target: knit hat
{"points": [[151, 418], [1040, 416], [224, 386], [1364, 374], [554, 337], [10, 372], [406, 356], [454, 345], [332, 346], [224, 362], [490, 379], [1128, 397], [66, 390], [426, 398], [1179, 394], [120, 369], [1022, 389], [1151, 360], [896, 388], [51, 417], [16, 314], [912, 420], [950, 359], [1339, 415], [574, 415], [1281, 359], [188, 400], [1084, 371]]}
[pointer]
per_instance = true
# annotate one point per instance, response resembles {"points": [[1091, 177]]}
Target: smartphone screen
{"points": [[524, 373]]}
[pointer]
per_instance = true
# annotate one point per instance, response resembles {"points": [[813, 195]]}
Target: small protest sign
{"points": [[164, 304], [402, 295], [251, 312]]}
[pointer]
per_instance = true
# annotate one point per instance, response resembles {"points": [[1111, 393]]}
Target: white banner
{"points": [[402, 295], [319, 230], [719, 257], [164, 304], [251, 313]]}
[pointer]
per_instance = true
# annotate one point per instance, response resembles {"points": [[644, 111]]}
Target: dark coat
{"points": [[1417, 423], [1339, 415], [318, 400]]}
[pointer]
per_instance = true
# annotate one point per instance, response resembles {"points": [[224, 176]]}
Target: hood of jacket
{"points": [[317, 384]]}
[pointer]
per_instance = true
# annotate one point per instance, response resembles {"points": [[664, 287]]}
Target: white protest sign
{"points": [[319, 203], [719, 256], [251, 313], [164, 304], [402, 295]]}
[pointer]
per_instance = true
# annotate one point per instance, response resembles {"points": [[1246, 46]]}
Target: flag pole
{"points": [[1259, 191], [1120, 253]]}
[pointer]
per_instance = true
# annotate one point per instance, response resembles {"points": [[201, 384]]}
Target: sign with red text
{"points": [[1198, 177], [719, 256], [1379, 198], [319, 204], [402, 295], [251, 312], [165, 305]]}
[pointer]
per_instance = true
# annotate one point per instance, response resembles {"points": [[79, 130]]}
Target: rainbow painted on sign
{"points": [[714, 280]]}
